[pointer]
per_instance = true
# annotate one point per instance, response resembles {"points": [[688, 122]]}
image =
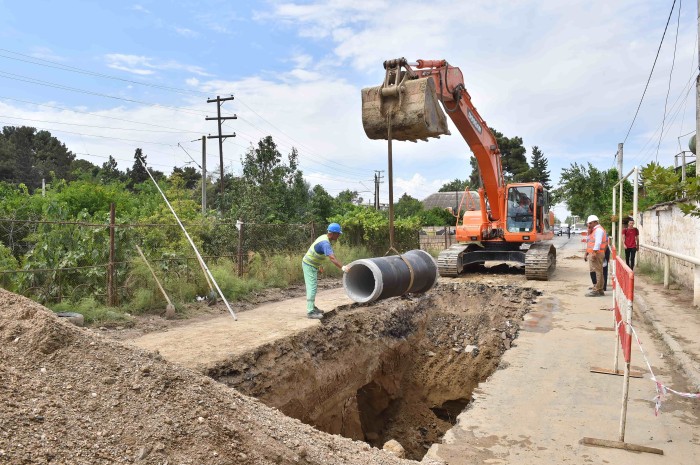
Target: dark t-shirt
{"points": [[630, 235]]}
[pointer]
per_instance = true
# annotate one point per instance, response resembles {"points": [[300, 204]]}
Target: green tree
{"points": [[586, 190], [456, 185], [28, 156], [83, 170], [273, 190], [513, 156], [321, 204], [189, 175], [137, 174], [407, 206], [110, 172], [538, 172], [474, 177]]}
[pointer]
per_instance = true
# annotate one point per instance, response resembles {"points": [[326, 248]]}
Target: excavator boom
{"points": [[408, 102], [514, 220]]}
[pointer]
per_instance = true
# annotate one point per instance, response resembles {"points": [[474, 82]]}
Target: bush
{"points": [[92, 311], [233, 287]]}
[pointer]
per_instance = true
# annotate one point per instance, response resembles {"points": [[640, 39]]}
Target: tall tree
{"points": [[273, 188], [513, 156], [321, 204], [538, 172], [110, 172], [474, 179], [138, 173], [27, 156], [586, 190], [407, 206], [455, 185], [189, 175]]}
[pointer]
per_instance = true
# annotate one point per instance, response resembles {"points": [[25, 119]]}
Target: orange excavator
{"points": [[513, 222]]}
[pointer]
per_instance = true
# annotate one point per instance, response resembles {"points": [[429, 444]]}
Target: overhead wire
{"points": [[670, 78], [651, 72], [53, 64], [692, 71], [311, 157], [31, 80], [56, 65]]}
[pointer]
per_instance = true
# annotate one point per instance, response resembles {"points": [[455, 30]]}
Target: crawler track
{"points": [[540, 261]]}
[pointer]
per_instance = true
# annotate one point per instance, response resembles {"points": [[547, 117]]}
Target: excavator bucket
{"points": [[414, 110]]}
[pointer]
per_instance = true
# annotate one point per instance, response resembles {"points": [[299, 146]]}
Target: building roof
{"points": [[451, 199]]}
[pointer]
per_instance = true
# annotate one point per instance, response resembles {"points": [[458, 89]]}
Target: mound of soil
{"points": [[73, 396]]}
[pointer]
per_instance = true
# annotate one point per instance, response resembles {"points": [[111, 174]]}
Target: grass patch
{"points": [[93, 311], [654, 273]]}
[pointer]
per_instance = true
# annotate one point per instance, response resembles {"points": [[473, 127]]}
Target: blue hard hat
{"points": [[335, 228]]}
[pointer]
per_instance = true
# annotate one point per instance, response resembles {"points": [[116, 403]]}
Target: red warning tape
{"points": [[661, 389]]}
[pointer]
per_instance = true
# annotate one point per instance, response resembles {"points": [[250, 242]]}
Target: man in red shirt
{"points": [[631, 235]]}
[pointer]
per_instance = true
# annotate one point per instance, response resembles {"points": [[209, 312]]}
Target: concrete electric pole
{"points": [[220, 119]]}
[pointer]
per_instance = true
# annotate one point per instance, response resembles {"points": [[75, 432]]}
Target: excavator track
{"points": [[450, 260], [540, 261]]}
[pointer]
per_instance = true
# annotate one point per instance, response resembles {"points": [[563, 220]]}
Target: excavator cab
{"points": [[521, 211]]}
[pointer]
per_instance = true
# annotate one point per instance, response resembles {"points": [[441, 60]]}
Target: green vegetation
{"points": [[54, 248]]}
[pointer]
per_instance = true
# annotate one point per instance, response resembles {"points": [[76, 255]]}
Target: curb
{"points": [[690, 368]]}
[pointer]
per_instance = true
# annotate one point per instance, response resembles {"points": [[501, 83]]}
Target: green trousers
{"points": [[311, 280]]}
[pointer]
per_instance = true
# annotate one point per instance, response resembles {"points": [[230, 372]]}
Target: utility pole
{"points": [[377, 181], [219, 101], [204, 174], [697, 97]]}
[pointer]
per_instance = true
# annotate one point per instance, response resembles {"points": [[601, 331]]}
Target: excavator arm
{"points": [[407, 102]]}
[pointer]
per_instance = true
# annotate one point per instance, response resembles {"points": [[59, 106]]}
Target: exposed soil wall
{"points": [[399, 369]]}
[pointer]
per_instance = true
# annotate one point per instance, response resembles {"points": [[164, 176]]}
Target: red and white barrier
{"points": [[623, 302]]}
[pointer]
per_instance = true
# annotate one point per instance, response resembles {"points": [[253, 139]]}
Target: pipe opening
{"points": [[361, 282]]}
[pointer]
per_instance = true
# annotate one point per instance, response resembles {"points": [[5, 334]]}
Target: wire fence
{"points": [[52, 261]]}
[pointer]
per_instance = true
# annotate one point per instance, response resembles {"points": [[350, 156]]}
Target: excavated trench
{"points": [[399, 369]]}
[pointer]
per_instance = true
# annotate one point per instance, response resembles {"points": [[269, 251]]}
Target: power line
{"points": [[95, 135], [95, 114], [73, 69], [31, 80], [670, 78], [651, 73], [96, 127]]}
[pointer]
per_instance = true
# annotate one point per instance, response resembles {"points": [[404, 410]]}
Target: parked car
{"points": [[557, 230], [578, 229]]}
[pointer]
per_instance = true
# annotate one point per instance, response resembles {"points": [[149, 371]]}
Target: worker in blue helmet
{"points": [[311, 263]]}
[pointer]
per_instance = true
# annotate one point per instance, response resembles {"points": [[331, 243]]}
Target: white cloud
{"points": [[140, 8], [45, 53], [142, 65], [185, 32]]}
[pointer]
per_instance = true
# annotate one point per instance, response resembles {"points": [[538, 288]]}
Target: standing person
{"points": [[311, 263], [595, 253], [568, 231], [606, 261], [631, 235]]}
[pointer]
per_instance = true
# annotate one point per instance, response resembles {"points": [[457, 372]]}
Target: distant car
{"points": [[578, 230], [557, 230]]}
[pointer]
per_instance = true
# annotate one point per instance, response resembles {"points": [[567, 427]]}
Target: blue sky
{"points": [[107, 77]]}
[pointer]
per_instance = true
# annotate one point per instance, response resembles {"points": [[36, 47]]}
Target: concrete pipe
{"points": [[371, 279]]}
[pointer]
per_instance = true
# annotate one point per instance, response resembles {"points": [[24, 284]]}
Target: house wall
{"points": [[665, 226]]}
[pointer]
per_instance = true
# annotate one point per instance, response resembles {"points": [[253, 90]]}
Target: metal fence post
{"points": [[111, 294], [240, 249], [445, 229]]}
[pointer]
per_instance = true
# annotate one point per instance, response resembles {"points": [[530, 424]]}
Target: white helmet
{"points": [[591, 219]]}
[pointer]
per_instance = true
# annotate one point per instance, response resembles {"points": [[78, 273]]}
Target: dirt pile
{"points": [[73, 396]]}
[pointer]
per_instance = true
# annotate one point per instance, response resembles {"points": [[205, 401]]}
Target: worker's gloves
{"points": [[345, 268]]}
